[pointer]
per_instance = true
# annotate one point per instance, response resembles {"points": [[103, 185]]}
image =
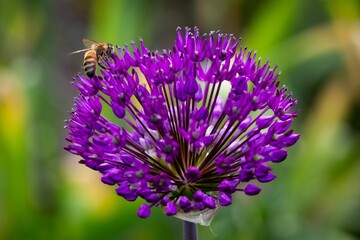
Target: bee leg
{"points": [[101, 62]]}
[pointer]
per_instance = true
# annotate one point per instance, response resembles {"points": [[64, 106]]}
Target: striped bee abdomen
{"points": [[90, 63]]}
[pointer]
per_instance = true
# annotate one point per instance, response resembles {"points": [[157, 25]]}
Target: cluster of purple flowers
{"points": [[190, 127]]}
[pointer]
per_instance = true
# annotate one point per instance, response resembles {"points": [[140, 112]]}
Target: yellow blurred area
{"points": [[98, 199], [14, 110]]}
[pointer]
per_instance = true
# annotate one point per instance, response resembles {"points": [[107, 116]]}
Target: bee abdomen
{"points": [[90, 63], [90, 67]]}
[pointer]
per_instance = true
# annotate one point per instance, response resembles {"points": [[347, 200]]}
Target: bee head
{"points": [[110, 49]]}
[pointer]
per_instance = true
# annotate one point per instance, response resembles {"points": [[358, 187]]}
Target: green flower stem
{"points": [[190, 231]]}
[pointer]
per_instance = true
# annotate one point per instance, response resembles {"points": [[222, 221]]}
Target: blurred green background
{"points": [[46, 194]]}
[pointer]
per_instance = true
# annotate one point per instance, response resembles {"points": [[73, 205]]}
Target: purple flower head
{"points": [[161, 127]]}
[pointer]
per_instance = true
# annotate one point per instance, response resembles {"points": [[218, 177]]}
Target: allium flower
{"points": [[191, 126]]}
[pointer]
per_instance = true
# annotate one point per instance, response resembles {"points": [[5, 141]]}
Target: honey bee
{"points": [[96, 53]]}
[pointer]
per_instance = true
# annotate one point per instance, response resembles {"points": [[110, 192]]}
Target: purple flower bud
{"points": [[207, 140], [239, 85], [91, 164], [218, 108], [161, 182], [209, 201], [227, 186], [200, 206], [124, 191], [266, 178], [184, 203], [180, 92], [169, 148], [223, 164], [252, 189], [152, 198], [246, 175], [262, 170], [264, 122], [130, 176], [245, 123], [192, 173], [291, 140], [198, 95], [87, 86], [165, 200], [199, 196], [170, 209], [112, 176], [277, 155], [191, 86], [108, 180], [281, 126], [118, 110], [201, 114], [144, 192], [144, 211], [225, 199]]}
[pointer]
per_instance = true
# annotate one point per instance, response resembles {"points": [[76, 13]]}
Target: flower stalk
{"points": [[190, 231]]}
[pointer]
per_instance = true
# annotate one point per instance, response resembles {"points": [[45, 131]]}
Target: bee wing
{"points": [[79, 51], [89, 43]]}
